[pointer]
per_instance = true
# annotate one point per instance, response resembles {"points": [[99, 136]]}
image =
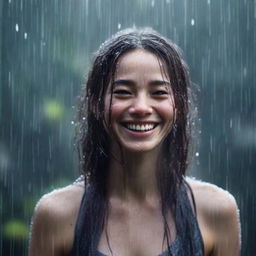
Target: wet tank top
{"points": [[176, 247]]}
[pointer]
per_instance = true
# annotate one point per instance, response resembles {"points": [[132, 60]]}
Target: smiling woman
{"points": [[133, 197], [140, 103]]}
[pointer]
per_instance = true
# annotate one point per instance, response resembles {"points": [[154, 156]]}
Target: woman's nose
{"points": [[140, 106]]}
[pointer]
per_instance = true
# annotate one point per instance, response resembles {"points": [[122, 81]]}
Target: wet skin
{"points": [[142, 107], [142, 113], [55, 216]]}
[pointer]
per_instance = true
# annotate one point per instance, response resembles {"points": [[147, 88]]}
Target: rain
{"points": [[46, 48]]}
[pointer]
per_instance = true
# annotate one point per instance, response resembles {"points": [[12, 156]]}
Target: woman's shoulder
{"points": [[218, 217], [61, 201], [211, 198], [54, 220]]}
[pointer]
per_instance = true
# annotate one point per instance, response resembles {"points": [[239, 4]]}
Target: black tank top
{"points": [[176, 247]]}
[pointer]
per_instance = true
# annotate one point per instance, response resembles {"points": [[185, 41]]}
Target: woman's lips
{"points": [[140, 127]]}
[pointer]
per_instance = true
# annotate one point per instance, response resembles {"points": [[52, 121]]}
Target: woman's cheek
{"points": [[116, 112], [166, 109]]}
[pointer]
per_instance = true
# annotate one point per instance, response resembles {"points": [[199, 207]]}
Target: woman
{"points": [[133, 145]]}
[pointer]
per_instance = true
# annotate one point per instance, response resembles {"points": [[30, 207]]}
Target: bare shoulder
{"points": [[61, 201], [211, 198], [59, 206], [54, 221], [218, 218]]}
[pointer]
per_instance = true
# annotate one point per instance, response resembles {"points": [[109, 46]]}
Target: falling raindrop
{"points": [[46, 50], [245, 71]]}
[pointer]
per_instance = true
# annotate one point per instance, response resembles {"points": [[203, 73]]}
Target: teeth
{"points": [[137, 127]]}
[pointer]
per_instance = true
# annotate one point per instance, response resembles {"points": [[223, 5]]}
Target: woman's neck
{"points": [[132, 176]]}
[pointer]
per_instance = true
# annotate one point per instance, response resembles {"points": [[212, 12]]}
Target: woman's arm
{"points": [[53, 223], [44, 237], [226, 225], [218, 218]]}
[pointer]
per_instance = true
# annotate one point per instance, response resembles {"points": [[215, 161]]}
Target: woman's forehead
{"points": [[140, 62]]}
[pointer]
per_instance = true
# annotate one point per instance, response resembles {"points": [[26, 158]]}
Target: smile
{"points": [[140, 127]]}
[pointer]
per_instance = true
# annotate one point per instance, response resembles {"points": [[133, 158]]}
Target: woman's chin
{"points": [[139, 147]]}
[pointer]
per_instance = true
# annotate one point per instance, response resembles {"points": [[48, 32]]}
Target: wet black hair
{"points": [[94, 143]]}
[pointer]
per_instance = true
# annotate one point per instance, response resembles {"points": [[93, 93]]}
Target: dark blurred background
{"points": [[46, 47]]}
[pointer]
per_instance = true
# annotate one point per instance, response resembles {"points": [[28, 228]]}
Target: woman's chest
{"points": [[137, 232]]}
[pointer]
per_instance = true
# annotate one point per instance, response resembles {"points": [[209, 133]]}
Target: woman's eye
{"points": [[121, 92], [160, 92]]}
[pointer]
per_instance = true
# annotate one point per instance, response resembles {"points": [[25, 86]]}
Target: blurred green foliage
{"points": [[15, 229], [45, 49], [53, 110]]}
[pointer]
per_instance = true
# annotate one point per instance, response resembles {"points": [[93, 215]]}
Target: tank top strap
{"points": [[186, 205]]}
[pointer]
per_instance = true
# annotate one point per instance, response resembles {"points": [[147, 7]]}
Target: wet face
{"points": [[142, 107]]}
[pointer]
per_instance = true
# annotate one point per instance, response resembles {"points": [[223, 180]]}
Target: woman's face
{"points": [[142, 107]]}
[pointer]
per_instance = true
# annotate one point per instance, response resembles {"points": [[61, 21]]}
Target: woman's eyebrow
{"points": [[131, 83], [123, 82], [159, 83]]}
